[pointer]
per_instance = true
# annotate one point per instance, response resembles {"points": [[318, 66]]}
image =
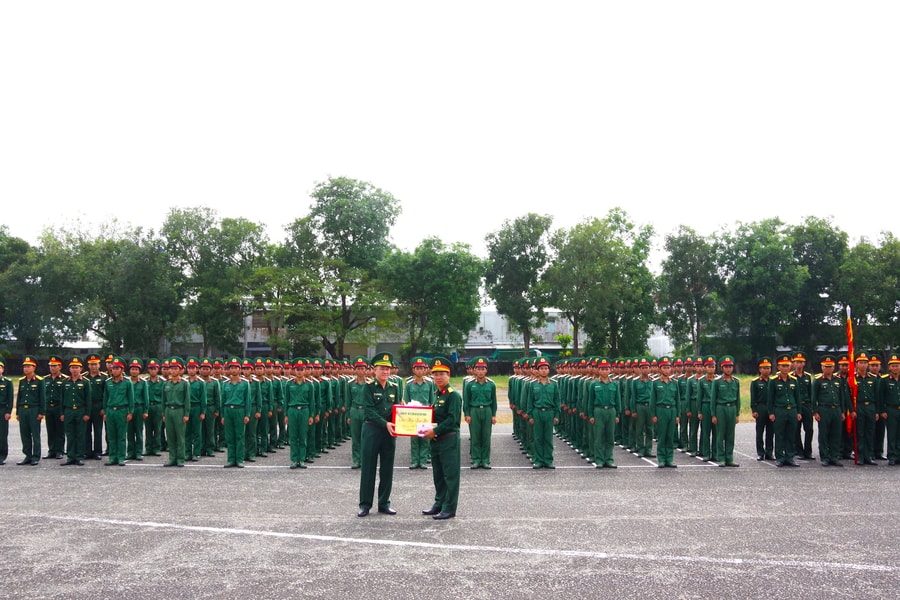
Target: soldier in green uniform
{"points": [[604, 405], [542, 410], [707, 447], [250, 443], [419, 389], [265, 407], [642, 422], [804, 436], [235, 414], [6, 406], [681, 374], [177, 402], [118, 411], [76, 400], [759, 390], [300, 398], [828, 412], [56, 437], [135, 437], [193, 431], [30, 409], [93, 445], [219, 375], [444, 443], [276, 404], [878, 440], [665, 398], [153, 425], [693, 400], [890, 399], [480, 411], [356, 415], [781, 404], [378, 441], [726, 411], [867, 410], [283, 377], [213, 408]]}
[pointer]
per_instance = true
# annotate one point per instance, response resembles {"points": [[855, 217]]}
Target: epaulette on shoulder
{"points": [[818, 376], [884, 375], [450, 389], [489, 379]]}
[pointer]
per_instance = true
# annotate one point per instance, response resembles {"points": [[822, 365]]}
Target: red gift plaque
{"points": [[408, 420]]}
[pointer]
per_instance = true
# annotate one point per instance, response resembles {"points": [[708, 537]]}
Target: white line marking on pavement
{"points": [[753, 562]]}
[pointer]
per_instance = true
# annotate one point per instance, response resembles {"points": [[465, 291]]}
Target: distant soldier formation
{"points": [[693, 404]]}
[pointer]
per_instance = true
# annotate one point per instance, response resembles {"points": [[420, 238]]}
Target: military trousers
{"points": [[30, 431], [153, 429], [865, 432], [378, 447], [543, 437], [830, 426], [805, 431], [175, 429], [643, 435], [298, 432], [604, 431], [726, 418], [765, 434], [785, 432], [445, 471], [666, 428], [208, 445], [56, 434], [4, 438], [893, 432], [357, 418], [135, 437], [93, 444], [74, 426], [235, 438], [116, 432], [480, 430], [193, 433]]}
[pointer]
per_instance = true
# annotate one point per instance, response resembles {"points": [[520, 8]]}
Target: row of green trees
{"points": [[337, 277]]}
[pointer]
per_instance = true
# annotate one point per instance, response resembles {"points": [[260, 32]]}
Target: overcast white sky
{"points": [[704, 113]]}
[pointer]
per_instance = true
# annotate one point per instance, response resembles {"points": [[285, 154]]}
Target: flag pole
{"points": [[851, 381]]}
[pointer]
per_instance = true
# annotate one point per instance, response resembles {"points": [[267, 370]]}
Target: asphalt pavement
{"points": [[266, 531]]}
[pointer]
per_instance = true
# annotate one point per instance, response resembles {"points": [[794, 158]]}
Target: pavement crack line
{"points": [[753, 562]]}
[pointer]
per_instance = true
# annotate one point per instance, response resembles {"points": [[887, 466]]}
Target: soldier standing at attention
{"points": [[664, 401], [890, 394], [265, 407], [135, 435], [378, 441], [641, 389], [604, 405], [828, 411], [444, 443], [76, 403], [681, 375], [878, 442], [421, 389], [93, 445], [193, 431], [867, 410], [177, 402], [704, 411], [153, 424], [250, 445], [56, 437], [118, 411], [213, 407], [356, 416], [726, 411], [765, 432], [300, 398], [235, 414], [781, 404], [30, 408], [804, 390], [542, 409], [6, 406], [481, 413]]}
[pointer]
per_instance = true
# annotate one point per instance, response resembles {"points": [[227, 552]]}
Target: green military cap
{"points": [[54, 360], [418, 361], [541, 362], [727, 360], [362, 361], [765, 361], [843, 359], [799, 357], [439, 363], [75, 361], [246, 363], [234, 361], [383, 359], [862, 357], [193, 361], [29, 360], [827, 360], [176, 360], [894, 359], [709, 360], [480, 361], [206, 362], [136, 362], [300, 362], [874, 357], [218, 362], [664, 361], [152, 363], [116, 361], [93, 358], [784, 359]]}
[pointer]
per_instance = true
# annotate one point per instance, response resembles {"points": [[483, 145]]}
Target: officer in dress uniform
{"points": [[6, 406], [867, 410], [93, 445], [56, 436], [542, 409], [134, 441], [878, 442], [235, 414], [759, 389], [890, 396], [421, 389], [781, 404], [804, 390], [30, 409], [604, 405], [444, 443], [118, 411], [828, 411], [726, 411], [213, 407], [76, 406], [378, 441], [665, 399], [153, 425], [177, 402], [300, 398]]}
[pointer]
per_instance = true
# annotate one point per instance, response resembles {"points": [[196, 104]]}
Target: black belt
{"points": [[666, 405], [173, 406], [117, 407], [726, 403], [299, 406], [544, 409], [444, 436], [604, 407], [52, 405], [362, 407], [831, 406], [76, 407], [234, 406], [25, 406], [642, 403], [867, 403]]}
